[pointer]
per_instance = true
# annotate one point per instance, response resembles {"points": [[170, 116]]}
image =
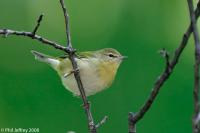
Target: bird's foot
{"points": [[71, 72]]}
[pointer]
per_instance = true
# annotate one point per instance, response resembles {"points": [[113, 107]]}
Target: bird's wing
{"points": [[78, 55]]}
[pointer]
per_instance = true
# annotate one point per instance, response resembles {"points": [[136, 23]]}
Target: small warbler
{"points": [[97, 69]]}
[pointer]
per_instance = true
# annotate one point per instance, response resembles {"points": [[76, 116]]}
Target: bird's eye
{"points": [[111, 55]]}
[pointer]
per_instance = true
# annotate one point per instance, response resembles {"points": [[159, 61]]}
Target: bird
{"points": [[97, 69]]}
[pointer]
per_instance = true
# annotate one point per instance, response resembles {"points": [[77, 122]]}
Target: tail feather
{"points": [[46, 58]]}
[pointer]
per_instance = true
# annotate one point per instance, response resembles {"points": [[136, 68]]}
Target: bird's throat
{"points": [[107, 72]]}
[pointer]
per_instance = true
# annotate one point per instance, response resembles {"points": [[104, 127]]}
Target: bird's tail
{"points": [[46, 58]]}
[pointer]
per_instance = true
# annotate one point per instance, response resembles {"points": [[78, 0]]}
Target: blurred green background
{"points": [[31, 94]]}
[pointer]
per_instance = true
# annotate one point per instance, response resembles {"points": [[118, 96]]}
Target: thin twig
{"points": [[165, 54], [7, 32], [162, 78], [195, 121], [131, 125], [102, 122], [66, 16], [86, 104], [38, 24]]}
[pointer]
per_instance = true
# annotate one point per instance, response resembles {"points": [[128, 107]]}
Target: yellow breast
{"points": [[95, 75], [107, 72]]}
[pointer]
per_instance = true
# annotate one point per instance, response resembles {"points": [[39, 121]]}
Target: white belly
{"points": [[91, 81]]}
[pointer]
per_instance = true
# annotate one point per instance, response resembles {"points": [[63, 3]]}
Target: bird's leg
{"points": [[70, 72]]}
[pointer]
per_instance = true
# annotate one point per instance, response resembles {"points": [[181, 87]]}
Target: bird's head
{"points": [[110, 55]]}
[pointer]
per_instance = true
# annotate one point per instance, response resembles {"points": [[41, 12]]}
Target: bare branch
{"points": [[86, 104], [165, 54], [195, 122], [131, 125], [66, 16], [102, 122], [7, 32], [197, 118], [163, 77], [38, 24]]}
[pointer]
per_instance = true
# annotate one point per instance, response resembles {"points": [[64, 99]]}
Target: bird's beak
{"points": [[123, 57]]}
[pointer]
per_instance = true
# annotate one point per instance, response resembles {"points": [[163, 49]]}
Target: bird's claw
{"points": [[71, 72]]}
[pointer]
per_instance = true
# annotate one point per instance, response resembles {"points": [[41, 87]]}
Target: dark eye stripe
{"points": [[111, 55]]}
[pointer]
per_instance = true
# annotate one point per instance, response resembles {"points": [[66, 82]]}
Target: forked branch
{"points": [[38, 24], [195, 121], [91, 125], [133, 119], [8, 32], [71, 51]]}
